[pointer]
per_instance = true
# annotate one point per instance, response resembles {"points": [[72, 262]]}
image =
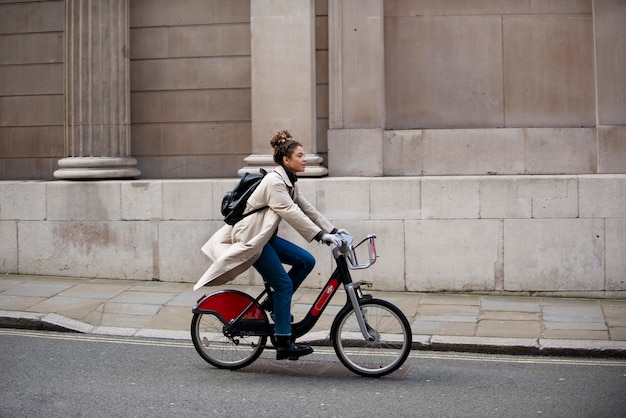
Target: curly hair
{"points": [[283, 145]]}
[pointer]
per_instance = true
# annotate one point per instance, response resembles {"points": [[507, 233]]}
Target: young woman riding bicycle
{"points": [[254, 240]]}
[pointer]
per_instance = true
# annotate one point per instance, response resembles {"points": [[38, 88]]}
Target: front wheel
{"points": [[392, 338]]}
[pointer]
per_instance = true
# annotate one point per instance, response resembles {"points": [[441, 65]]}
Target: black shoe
{"points": [[287, 349]]}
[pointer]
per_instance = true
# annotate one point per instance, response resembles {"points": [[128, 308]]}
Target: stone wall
{"points": [[531, 234], [190, 87], [484, 142], [31, 88]]}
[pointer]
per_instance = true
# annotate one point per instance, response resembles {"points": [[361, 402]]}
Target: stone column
{"points": [[356, 87], [97, 91], [283, 79], [610, 49]]}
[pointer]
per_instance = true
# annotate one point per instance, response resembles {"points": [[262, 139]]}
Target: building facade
{"points": [[484, 142]]}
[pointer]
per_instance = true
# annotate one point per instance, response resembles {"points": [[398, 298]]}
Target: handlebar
{"points": [[348, 251]]}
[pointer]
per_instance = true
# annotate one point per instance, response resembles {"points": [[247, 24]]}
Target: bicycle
{"points": [[371, 337]]}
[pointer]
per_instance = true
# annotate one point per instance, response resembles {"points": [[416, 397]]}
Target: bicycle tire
{"points": [[219, 350], [214, 313], [377, 358]]}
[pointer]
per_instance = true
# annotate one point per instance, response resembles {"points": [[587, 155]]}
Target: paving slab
{"points": [[18, 303], [95, 290], [34, 289], [514, 303], [518, 329], [153, 298], [444, 328]]}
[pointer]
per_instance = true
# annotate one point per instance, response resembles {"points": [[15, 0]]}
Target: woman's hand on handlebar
{"points": [[331, 239], [342, 231]]}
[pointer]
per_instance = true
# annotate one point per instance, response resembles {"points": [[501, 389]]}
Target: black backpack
{"points": [[234, 202]]}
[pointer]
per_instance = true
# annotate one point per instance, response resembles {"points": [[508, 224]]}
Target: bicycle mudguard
{"points": [[229, 304]]}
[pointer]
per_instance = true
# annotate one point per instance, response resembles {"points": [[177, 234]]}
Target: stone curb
{"points": [[486, 345]]}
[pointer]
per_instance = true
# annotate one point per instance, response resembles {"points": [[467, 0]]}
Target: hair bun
{"points": [[281, 138]]}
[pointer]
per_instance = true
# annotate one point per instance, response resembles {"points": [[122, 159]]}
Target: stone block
{"points": [[395, 198], [473, 151], [346, 198], [8, 247], [611, 149], [188, 12], [403, 153], [560, 151], [539, 75], [355, 152], [452, 255], [148, 43], [25, 17], [553, 254], [179, 245], [117, 250], [451, 78], [27, 168], [31, 110], [32, 142], [209, 41], [35, 48], [22, 201], [561, 6], [189, 200], [501, 197], [610, 32], [37, 79], [190, 166], [191, 73], [191, 106], [83, 201], [450, 198], [204, 140], [552, 197], [522, 197], [361, 79], [438, 7], [142, 200], [602, 196], [615, 252], [284, 94]]}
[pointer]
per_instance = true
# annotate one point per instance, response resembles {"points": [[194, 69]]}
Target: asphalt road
{"points": [[46, 374]]}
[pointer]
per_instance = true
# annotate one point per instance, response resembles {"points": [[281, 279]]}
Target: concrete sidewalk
{"points": [[461, 322]]}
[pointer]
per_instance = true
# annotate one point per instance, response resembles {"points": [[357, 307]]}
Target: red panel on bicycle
{"points": [[324, 297], [230, 304]]}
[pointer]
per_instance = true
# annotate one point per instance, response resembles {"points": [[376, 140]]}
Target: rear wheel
{"points": [[392, 338], [218, 349]]}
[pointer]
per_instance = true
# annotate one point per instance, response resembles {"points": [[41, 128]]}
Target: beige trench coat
{"points": [[234, 249]]}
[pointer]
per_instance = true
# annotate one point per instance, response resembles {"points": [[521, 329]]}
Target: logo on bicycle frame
{"points": [[321, 302]]}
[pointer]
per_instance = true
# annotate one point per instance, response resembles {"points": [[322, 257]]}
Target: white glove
{"points": [[331, 239], [343, 231]]}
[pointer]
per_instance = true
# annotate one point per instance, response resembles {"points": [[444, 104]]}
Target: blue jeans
{"points": [[276, 252]]}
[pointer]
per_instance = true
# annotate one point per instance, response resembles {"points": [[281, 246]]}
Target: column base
{"points": [[97, 168], [255, 162]]}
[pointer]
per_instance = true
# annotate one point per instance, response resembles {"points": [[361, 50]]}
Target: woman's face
{"points": [[296, 162]]}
